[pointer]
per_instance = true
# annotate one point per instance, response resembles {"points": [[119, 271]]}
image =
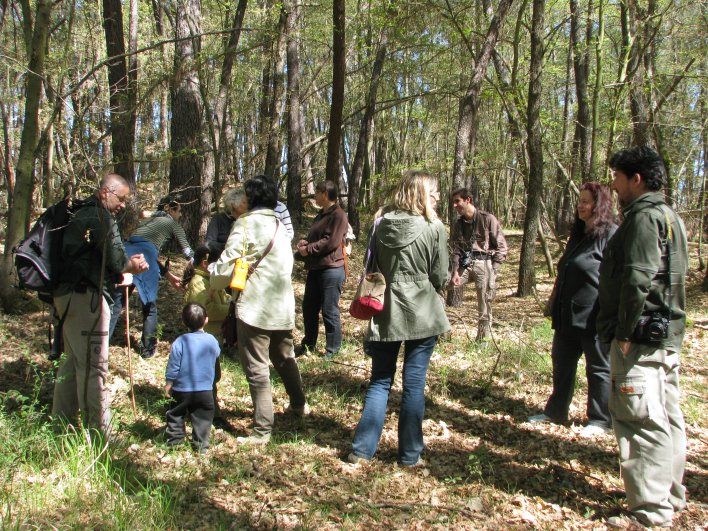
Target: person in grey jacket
{"points": [[411, 253], [574, 308]]}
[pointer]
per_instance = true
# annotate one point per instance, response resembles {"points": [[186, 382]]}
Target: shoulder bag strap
{"points": [[252, 268]]}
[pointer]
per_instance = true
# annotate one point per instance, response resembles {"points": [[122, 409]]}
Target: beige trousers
{"points": [[80, 381]]}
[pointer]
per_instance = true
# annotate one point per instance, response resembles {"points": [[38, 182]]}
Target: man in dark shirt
{"points": [[94, 259], [478, 251]]}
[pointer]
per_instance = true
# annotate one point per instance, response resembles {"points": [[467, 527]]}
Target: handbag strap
{"points": [[252, 268], [371, 249]]}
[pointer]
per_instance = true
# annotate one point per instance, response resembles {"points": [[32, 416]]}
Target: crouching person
{"points": [[189, 380]]}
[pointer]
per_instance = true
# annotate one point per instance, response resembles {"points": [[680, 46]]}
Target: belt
{"points": [[476, 255]]}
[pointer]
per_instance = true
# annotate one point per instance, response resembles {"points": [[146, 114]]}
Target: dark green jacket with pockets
{"points": [[635, 270]]}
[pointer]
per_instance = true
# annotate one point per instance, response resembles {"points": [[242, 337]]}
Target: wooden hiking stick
{"points": [[126, 304]]}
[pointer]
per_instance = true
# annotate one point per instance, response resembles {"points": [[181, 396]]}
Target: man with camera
{"points": [[478, 251], [642, 302]]}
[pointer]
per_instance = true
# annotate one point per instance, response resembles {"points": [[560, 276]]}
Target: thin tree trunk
{"points": [[334, 139], [272, 157], [295, 120], [465, 140], [527, 275], [364, 134], [18, 216], [581, 139]]}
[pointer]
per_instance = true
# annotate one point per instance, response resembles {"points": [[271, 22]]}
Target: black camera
{"points": [[652, 328], [465, 259]]}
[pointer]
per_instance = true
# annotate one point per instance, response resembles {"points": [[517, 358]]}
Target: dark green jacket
{"points": [[634, 272], [91, 230], [411, 253]]}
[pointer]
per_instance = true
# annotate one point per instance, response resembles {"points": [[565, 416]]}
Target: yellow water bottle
{"points": [[238, 280]]}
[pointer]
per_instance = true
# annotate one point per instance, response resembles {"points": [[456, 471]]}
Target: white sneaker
{"points": [[537, 419], [253, 440], [302, 411], [593, 430]]}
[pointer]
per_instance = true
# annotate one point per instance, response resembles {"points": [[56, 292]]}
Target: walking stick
{"points": [[126, 304]]}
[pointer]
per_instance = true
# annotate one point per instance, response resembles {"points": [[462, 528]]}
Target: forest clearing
{"points": [[486, 467]]}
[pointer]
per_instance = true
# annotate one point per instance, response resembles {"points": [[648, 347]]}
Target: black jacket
{"points": [[575, 304]]}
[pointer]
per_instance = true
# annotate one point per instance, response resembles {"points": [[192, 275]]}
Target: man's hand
{"points": [[624, 347], [136, 265], [168, 389], [456, 281]]}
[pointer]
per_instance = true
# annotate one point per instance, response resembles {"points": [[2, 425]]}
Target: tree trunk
{"points": [[581, 139], [272, 158], [122, 126], [18, 216], [362, 145], [465, 140], [186, 167], [527, 275], [295, 120], [334, 138]]}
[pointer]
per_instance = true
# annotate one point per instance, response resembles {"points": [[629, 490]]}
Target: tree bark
{"points": [[581, 139], [122, 125], [465, 140], [18, 216], [527, 275], [272, 157], [295, 119], [334, 139], [362, 146], [186, 166]]}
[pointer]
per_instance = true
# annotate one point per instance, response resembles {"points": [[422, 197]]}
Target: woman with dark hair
{"points": [[324, 260], [573, 310], [411, 253], [148, 239], [265, 308]]}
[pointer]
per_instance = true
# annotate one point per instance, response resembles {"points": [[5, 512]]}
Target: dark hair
{"points": [[194, 316], [168, 200], [601, 210], [330, 188], [261, 192], [464, 193], [200, 253], [643, 160]]}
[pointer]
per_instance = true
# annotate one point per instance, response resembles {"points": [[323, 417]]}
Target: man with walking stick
{"points": [[93, 260]]}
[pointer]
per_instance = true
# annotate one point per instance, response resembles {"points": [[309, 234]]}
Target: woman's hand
{"points": [[302, 247]]}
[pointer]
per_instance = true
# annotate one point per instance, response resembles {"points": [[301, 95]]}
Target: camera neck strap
{"points": [[669, 237]]}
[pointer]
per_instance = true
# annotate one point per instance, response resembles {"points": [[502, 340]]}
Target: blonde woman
{"points": [[411, 253]]}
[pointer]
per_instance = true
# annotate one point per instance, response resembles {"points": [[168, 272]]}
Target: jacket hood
{"points": [[398, 229]]}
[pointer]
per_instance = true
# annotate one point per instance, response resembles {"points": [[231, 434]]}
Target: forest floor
{"points": [[487, 467]]}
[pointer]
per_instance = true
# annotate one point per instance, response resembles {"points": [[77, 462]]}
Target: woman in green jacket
{"points": [[411, 253]]}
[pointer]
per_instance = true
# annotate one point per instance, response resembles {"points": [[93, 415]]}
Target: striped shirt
{"points": [[282, 212], [159, 228]]}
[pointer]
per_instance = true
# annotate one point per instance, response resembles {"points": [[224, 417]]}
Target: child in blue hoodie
{"points": [[189, 380]]}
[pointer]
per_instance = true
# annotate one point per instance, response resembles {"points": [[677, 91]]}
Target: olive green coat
{"points": [[412, 255]]}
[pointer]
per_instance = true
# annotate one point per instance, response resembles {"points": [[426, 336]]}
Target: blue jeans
{"points": [[416, 358], [322, 290], [149, 337]]}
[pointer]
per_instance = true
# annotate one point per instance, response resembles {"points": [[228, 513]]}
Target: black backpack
{"points": [[38, 256]]}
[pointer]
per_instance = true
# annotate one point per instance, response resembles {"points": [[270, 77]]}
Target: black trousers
{"points": [[565, 353], [199, 405]]}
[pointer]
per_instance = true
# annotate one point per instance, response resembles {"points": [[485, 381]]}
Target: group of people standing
{"points": [[619, 298]]}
